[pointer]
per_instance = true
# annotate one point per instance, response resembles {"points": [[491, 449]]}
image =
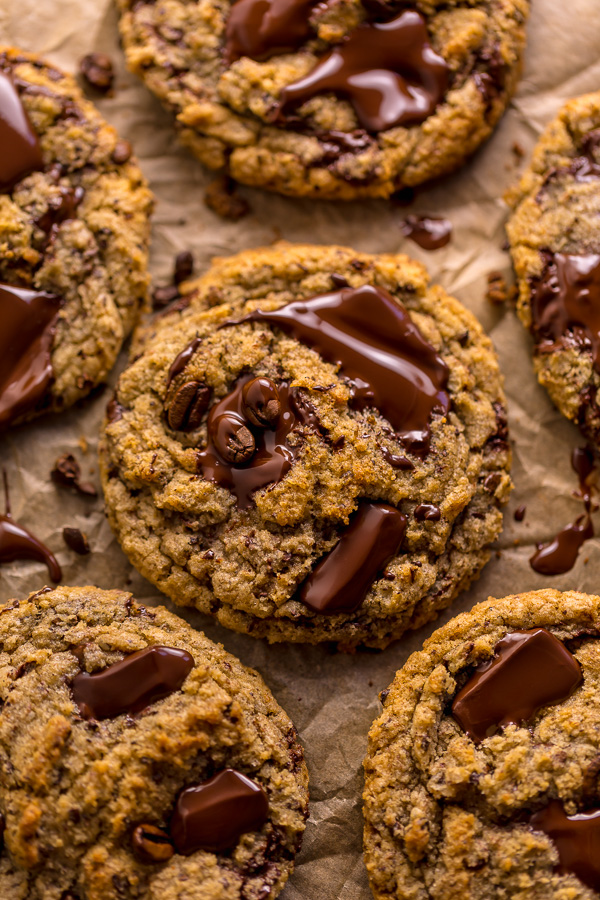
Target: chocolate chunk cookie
{"points": [[482, 769], [311, 447], [74, 233], [138, 758], [554, 239], [339, 100]]}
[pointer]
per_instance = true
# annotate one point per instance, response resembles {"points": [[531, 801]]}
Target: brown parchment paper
{"points": [[331, 698]]}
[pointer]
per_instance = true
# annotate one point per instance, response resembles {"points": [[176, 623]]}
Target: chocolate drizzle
{"points": [[340, 581], [576, 838], [388, 71], [271, 454], [261, 28], [565, 303], [132, 684], [214, 815], [430, 234], [28, 322], [530, 670], [16, 542], [182, 359], [20, 151], [559, 555], [379, 349]]}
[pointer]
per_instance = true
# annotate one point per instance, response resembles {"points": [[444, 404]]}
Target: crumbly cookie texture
{"points": [[187, 534], [446, 817], [73, 790], [555, 210], [225, 113], [78, 229]]}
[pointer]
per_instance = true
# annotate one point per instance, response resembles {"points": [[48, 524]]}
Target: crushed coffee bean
{"points": [[67, 473], [221, 197], [261, 402], [233, 440], [97, 70], [152, 844], [187, 406], [76, 540]]}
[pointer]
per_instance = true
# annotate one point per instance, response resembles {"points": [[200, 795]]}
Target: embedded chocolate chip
{"points": [[122, 152], [188, 405], [184, 267], [152, 844], [76, 540], [233, 440], [262, 405], [67, 473], [97, 69]]}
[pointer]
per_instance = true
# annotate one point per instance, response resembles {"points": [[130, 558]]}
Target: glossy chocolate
{"points": [[20, 151], [374, 341], [428, 233], [262, 28], [182, 359], [272, 455], [565, 303], [16, 542], [576, 838], [530, 670], [388, 71], [28, 322], [427, 512], [214, 815], [341, 581], [132, 684]]}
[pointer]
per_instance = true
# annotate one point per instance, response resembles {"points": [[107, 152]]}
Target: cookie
{"points": [[554, 240], [74, 231], [481, 778], [344, 100], [139, 759], [311, 447]]}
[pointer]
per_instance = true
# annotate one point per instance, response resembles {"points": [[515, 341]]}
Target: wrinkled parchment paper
{"points": [[331, 698]]}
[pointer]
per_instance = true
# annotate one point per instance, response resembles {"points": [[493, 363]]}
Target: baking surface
{"points": [[331, 698]]}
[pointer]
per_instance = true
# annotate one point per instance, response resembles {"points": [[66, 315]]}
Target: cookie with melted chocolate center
{"points": [[268, 455], [554, 239], [481, 777], [336, 100], [74, 231], [154, 760]]}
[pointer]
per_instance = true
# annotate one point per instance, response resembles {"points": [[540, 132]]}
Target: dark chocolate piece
{"points": [[60, 208], [97, 70], [519, 513], [67, 473], [576, 838], [132, 684], [182, 359], [76, 540], [28, 323], [151, 844], [341, 581], [262, 28], [17, 543], [262, 405], [428, 233], [372, 337], [222, 197], [388, 71], [20, 151], [214, 815], [530, 670], [184, 267], [427, 512]]}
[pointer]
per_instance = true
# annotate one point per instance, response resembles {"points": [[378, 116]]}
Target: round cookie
{"points": [[555, 245], [343, 487], [139, 759], [74, 232], [481, 778], [343, 100]]}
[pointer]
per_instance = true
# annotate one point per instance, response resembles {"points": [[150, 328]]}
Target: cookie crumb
{"points": [[221, 197], [497, 291]]}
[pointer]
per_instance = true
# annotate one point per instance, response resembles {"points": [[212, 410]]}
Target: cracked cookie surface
{"points": [[78, 791], [244, 558], [448, 816], [228, 108], [555, 245], [74, 225]]}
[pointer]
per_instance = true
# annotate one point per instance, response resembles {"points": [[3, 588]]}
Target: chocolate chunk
{"points": [[76, 540], [428, 233], [60, 208], [214, 815], [67, 473], [519, 513], [262, 28], [232, 439], [162, 296], [122, 152], [341, 581], [187, 406], [97, 70], [530, 670], [132, 684], [182, 359], [21, 152], [261, 402], [114, 410], [152, 844], [576, 838], [221, 197], [373, 339], [388, 71], [427, 512], [184, 267], [28, 324]]}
